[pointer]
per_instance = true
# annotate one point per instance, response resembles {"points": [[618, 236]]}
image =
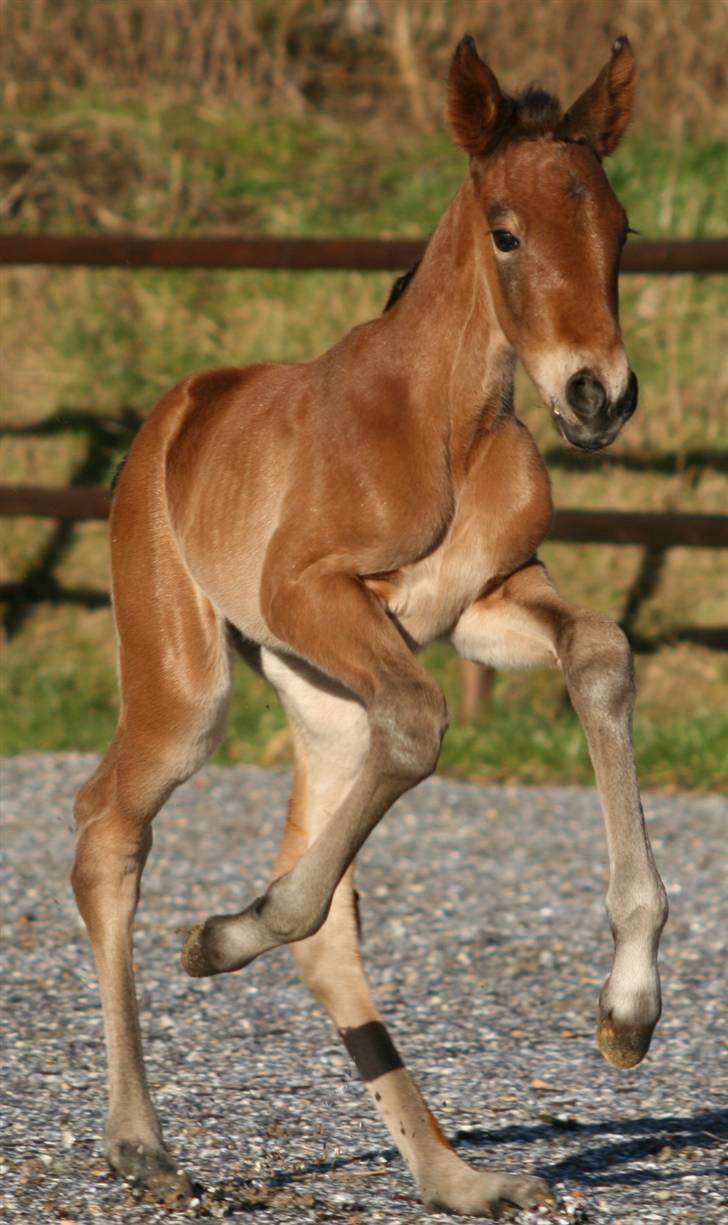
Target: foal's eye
{"points": [[504, 240]]}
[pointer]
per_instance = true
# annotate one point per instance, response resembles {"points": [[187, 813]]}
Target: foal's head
{"points": [[552, 233]]}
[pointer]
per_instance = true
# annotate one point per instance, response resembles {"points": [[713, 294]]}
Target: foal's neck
{"points": [[460, 366]]}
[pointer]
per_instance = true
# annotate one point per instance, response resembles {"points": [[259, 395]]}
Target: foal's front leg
{"points": [[357, 647], [348, 772], [526, 623]]}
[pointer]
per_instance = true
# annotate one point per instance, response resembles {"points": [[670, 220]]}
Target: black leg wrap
{"points": [[372, 1050]]}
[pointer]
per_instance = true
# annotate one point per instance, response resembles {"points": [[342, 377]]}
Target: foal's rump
{"points": [[171, 640]]}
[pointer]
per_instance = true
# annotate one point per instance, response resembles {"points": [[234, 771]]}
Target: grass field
{"points": [[87, 352]]}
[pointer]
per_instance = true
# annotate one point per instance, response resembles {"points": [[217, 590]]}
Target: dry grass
{"points": [[356, 58]]}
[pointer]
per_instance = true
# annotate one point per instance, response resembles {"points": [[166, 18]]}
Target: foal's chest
{"points": [[502, 512]]}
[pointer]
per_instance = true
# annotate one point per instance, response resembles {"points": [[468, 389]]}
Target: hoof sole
{"points": [[194, 958], [623, 1046]]}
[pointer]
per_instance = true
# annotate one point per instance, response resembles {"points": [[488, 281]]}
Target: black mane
{"points": [[531, 114], [400, 285]]}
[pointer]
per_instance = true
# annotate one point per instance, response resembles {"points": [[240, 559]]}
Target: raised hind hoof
{"points": [[624, 1046], [151, 1169]]}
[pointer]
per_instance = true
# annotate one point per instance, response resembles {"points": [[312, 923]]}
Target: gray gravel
{"points": [[487, 942]]}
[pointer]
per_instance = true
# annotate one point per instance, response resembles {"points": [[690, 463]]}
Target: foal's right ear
{"points": [[474, 98], [601, 114]]}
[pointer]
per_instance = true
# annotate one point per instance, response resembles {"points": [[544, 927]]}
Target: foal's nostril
{"points": [[586, 394], [631, 396]]}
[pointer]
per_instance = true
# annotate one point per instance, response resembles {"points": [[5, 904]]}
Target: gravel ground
{"points": [[487, 942]]}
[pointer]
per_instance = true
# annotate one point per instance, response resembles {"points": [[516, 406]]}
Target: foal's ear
{"points": [[601, 114], [474, 98]]}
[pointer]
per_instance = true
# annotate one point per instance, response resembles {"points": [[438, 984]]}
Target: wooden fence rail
{"points": [[673, 255], [652, 529]]}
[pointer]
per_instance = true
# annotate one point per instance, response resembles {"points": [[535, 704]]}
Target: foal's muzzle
{"points": [[592, 421]]}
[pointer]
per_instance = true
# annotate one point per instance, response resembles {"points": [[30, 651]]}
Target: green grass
{"points": [[71, 705], [519, 744], [81, 342], [66, 703]]}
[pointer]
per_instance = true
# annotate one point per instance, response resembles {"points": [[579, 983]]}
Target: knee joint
{"points": [[411, 725], [598, 665]]}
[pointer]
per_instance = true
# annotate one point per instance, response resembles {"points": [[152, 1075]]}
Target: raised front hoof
{"points": [[153, 1170], [492, 1195], [224, 943], [196, 960], [623, 1045]]}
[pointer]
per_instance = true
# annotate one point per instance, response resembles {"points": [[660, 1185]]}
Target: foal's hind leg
{"points": [[331, 736], [174, 673], [526, 623]]}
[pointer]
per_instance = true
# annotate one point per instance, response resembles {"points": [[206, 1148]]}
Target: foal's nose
{"points": [[586, 394]]}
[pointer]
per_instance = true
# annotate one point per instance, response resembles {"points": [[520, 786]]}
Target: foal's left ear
{"points": [[601, 114], [474, 98]]}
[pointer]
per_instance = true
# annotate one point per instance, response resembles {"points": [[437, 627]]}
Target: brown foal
{"points": [[326, 519]]}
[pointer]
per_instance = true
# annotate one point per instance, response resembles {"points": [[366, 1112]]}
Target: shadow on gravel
{"points": [[629, 1140], [283, 1190]]}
